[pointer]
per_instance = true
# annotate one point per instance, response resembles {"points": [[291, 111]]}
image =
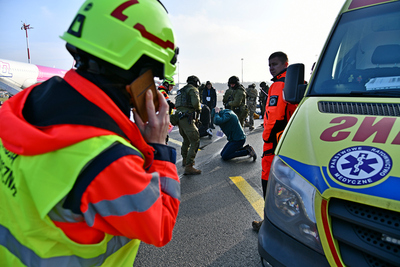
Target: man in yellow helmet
{"points": [[83, 184], [165, 88]]}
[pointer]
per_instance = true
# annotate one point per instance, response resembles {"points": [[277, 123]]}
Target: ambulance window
{"points": [[363, 51]]}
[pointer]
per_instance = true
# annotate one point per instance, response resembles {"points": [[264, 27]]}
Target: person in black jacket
{"points": [[210, 99]]}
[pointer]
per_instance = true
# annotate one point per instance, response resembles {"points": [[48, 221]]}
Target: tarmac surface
{"points": [[213, 227]]}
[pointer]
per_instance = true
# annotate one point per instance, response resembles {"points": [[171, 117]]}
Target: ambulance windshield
{"points": [[363, 54]]}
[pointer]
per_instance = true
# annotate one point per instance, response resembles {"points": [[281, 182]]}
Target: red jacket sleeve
{"points": [[125, 199], [277, 114], [274, 111]]}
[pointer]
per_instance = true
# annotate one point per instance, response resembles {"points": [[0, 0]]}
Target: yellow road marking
{"points": [[175, 141], [250, 194]]}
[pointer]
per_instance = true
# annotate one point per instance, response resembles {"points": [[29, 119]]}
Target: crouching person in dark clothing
{"points": [[230, 125], [204, 123]]}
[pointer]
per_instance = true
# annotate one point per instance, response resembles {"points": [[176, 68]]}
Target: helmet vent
{"points": [[88, 6], [76, 26]]}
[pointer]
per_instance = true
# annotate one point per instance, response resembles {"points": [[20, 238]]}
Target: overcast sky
{"points": [[213, 35]]}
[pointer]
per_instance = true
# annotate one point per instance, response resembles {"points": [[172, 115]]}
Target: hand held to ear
{"points": [[156, 129]]}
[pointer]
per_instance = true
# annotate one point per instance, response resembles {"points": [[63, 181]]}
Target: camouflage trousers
{"points": [[191, 140], [252, 110]]}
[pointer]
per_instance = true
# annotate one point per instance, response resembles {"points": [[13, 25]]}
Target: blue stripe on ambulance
{"points": [[322, 181]]}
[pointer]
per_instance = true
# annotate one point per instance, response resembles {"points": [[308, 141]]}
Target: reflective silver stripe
{"points": [[171, 187], [30, 258], [123, 205], [59, 214]]}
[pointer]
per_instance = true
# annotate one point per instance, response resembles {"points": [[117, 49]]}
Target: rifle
{"points": [[263, 91]]}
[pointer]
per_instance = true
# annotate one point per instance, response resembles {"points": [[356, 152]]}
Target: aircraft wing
{"points": [[9, 87]]}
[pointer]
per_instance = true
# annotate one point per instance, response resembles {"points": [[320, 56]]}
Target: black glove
{"points": [[171, 105]]}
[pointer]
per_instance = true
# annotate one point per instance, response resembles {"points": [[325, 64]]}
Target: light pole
{"points": [[242, 71], [26, 28]]}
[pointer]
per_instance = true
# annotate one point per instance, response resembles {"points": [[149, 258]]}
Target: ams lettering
{"points": [[7, 178], [381, 129]]}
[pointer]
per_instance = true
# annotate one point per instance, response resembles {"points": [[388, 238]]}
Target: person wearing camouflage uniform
{"points": [[262, 97], [187, 103], [235, 99], [251, 101]]}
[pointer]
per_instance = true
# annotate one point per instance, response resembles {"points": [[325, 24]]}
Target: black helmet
{"points": [[263, 84], [233, 80], [193, 80]]}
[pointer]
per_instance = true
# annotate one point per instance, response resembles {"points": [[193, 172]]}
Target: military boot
{"points": [[189, 169], [257, 225]]}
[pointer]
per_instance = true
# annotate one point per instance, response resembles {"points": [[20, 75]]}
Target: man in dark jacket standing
{"points": [[262, 97], [210, 99]]}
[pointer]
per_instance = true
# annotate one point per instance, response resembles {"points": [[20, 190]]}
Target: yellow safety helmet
{"points": [[121, 32]]}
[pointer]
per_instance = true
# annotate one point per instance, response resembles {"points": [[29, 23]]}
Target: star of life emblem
{"points": [[360, 165]]}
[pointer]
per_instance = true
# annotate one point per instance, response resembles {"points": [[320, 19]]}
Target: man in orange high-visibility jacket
{"points": [[165, 88], [277, 114]]}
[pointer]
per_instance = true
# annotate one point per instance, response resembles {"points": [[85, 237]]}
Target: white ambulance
{"points": [[333, 196]]}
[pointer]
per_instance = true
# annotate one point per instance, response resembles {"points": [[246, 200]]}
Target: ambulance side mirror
{"points": [[294, 88]]}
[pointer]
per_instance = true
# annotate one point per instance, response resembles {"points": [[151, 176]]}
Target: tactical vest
{"points": [[251, 96], [28, 237], [182, 98], [238, 91]]}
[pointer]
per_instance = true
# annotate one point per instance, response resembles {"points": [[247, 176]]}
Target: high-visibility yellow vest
{"points": [[30, 187]]}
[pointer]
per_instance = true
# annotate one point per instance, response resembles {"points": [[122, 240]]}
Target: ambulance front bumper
{"points": [[279, 249]]}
